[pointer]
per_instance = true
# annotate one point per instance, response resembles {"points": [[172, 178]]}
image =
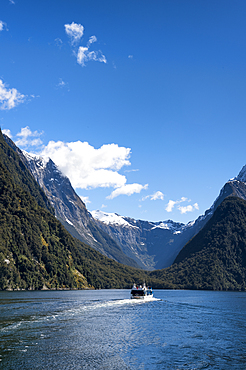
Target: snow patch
{"points": [[111, 219], [69, 222], [40, 161], [162, 225]]}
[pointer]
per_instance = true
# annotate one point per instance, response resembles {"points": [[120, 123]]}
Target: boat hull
{"points": [[141, 292], [145, 298]]}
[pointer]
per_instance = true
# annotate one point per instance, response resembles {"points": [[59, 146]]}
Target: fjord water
{"points": [[106, 330]]}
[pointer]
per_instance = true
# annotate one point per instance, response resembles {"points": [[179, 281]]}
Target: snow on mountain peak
{"points": [[41, 161], [163, 225], [111, 218], [242, 175]]}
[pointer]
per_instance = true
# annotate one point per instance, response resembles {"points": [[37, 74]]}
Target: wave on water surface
{"points": [[119, 302], [72, 312]]}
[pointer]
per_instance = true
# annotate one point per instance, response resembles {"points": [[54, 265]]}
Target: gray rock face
{"points": [[150, 245], [155, 245], [69, 208]]}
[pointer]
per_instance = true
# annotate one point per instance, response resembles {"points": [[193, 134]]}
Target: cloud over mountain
{"points": [[85, 166], [27, 138], [88, 167], [182, 209]]}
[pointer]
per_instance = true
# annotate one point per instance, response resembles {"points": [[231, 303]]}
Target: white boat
{"points": [[141, 292]]}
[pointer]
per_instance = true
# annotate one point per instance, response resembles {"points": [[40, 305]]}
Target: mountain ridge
{"points": [[168, 236], [69, 207], [215, 258], [149, 245], [36, 251]]}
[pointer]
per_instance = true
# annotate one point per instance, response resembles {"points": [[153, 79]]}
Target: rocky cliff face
{"points": [[155, 245], [150, 245], [69, 208]]}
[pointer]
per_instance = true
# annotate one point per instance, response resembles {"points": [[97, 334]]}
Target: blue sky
{"points": [[140, 103]]}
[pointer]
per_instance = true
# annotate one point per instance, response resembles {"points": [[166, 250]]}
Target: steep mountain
{"points": [[235, 187], [36, 251], [155, 245], [68, 206], [152, 244], [215, 258], [20, 173], [149, 245]]}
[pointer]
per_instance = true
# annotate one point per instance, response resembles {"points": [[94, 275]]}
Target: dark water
{"points": [[106, 330]]}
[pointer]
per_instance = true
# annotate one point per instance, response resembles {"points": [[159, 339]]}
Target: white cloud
{"points": [[3, 26], [61, 83], [127, 189], [170, 205], [84, 55], [27, 138], [75, 31], [101, 57], [92, 39], [155, 196], [7, 132], [88, 167], [182, 209], [188, 208], [9, 98], [133, 170], [85, 199], [81, 56]]}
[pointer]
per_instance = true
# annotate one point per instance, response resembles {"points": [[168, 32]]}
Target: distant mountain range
{"points": [[37, 252], [137, 243], [155, 245], [215, 259]]}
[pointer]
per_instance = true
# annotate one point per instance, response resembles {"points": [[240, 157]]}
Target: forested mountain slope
{"points": [[20, 174], [36, 251], [68, 206], [216, 257], [137, 243], [155, 245]]}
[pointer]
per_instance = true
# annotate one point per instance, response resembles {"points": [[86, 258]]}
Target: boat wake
{"points": [[71, 313], [119, 302]]}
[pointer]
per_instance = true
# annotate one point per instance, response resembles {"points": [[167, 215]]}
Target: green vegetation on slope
{"points": [[36, 251], [215, 258], [107, 244], [20, 174]]}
